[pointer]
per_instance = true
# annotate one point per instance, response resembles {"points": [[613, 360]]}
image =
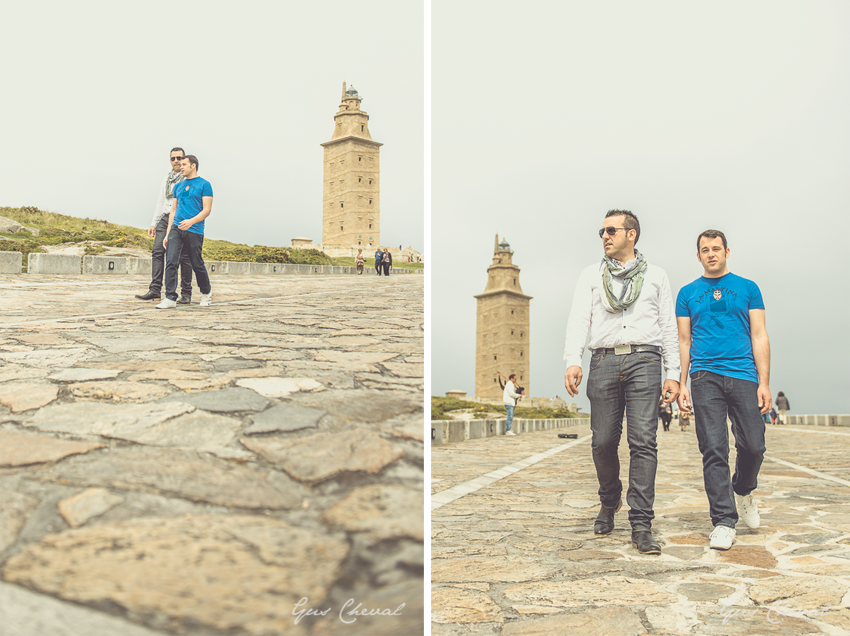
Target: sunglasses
{"points": [[611, 231], [177, 158]]}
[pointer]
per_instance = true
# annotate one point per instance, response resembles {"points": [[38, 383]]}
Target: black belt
{"points": [[634, 349]]}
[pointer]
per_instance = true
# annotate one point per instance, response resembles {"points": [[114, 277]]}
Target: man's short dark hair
{"points": [[193, 160], [176, 149], [511, 376], [630, 221], [712, 234]]}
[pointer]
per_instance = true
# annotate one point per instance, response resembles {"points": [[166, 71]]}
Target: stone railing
{"points": [[818, 420], [41, 263], [452, 431]]}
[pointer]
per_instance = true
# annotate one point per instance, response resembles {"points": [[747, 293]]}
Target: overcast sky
{"points": [[96, 93], [723, 115]]}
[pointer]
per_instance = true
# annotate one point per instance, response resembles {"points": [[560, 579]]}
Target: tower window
{"points": [[514, 281], [520, 353], [370, 182], [370, 226], [494, 357], [359, 158], [361, 128], [512, 332], [340, 227], [520, 377], [370, 201], [520, 334], [359, 179], [512, 312], [342, 206]]}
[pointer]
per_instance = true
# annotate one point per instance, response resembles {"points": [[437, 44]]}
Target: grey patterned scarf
{"points": [[632, 282], [172, 180]]}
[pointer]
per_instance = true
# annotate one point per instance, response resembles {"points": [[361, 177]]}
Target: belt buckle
{"points": [[620, 350]]}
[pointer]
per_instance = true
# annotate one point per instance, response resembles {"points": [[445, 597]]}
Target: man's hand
{"points": [[152, 231], [765, 400], [572, 378], [672, 387], [185, 225], [684, 399]]}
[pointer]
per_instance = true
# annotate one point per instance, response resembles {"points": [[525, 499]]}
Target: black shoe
{"points": [[643, 541], [605, 520], [184, 300], [149, 296]]}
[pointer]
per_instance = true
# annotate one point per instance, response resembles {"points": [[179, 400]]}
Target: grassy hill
{"points": [[97, 235], [442, 405]]}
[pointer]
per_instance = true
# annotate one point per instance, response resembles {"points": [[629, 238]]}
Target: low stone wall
{"points": [[819, 420], [11, 262], [453, 431], [41, 263]]}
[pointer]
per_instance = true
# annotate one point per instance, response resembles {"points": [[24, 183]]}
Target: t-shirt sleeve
{"points": [[682, 310], [756, 301], [207, 191]]}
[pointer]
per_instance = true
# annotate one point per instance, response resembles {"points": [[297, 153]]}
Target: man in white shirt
{"points": [[626, 306], [509, 399], [158, 231]]}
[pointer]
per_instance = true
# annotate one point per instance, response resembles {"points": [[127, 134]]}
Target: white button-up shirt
{"points": [[163, 203], [650, 320]]}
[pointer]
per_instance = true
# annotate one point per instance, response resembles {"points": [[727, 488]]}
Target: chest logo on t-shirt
{"points": [[187, 188], [717, 308], [718, 294]]}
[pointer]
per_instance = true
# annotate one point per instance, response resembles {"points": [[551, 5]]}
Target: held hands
{"points": [[671, 387], [765, 399], [572, 378], [684, 399]]}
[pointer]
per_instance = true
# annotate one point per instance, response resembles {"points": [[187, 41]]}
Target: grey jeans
{"points": [[628, 383]]}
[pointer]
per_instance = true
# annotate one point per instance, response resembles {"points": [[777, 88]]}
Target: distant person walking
{"points": [[626, 304], [665, 412], [724, 345], [359, 261], [782, 406], [193, 200], [510, 397], [386, 262], [684, 420], [378, 261], [159, 229]]}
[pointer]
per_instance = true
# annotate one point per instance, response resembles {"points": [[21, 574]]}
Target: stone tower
{"points": [[502, 333], [351, 200]]}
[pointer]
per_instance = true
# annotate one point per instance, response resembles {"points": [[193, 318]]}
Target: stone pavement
{"points": [[518, 557], [199, 471]]}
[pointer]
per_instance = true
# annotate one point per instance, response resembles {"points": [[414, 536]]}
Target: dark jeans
{"points": [[714, 396], [192, 244], [158, 263], [630, 383], [378, 268], [386, 267]]}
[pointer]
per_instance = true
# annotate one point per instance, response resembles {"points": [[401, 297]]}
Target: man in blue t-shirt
{"points": [[723, 340], [192, 204]]}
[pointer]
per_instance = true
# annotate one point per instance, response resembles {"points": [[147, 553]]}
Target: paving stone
{"points": [[25, 396], [607, 621], [232, 400], [16, 507], [104, 419], [705, 591], [405, 369], [507, 569], [136, 343], [118, 391], [284, 417], [360, 405], [455, 605], [279, 387], [589, 555], [754, 555], [229, 363], [177, 473], [759, 621], [20, 372], [322, 456], [25, 613], [686, 553], [352, 358], [799, 593], [365, 510], [246, 572], [83, 375], [22, 449], [89, 503], [588, 592]]}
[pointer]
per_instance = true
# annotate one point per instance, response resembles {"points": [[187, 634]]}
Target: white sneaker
{"points": [[206, 300], [510, 433], [747, 510], [167, 304], [721, 538]]}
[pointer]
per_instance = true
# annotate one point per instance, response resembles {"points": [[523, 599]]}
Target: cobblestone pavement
{"points": [[199, 470], [519, 557]]}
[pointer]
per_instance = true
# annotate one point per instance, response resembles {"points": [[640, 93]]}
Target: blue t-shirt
{"points": [[190, 195], [719, 309]]}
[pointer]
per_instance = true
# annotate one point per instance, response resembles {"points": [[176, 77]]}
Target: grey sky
{"points": [[721, 115], [95, 94]]}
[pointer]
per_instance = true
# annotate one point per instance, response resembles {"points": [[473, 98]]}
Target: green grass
{"points": [[370, 262], [442, 405], [59, 228]]}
